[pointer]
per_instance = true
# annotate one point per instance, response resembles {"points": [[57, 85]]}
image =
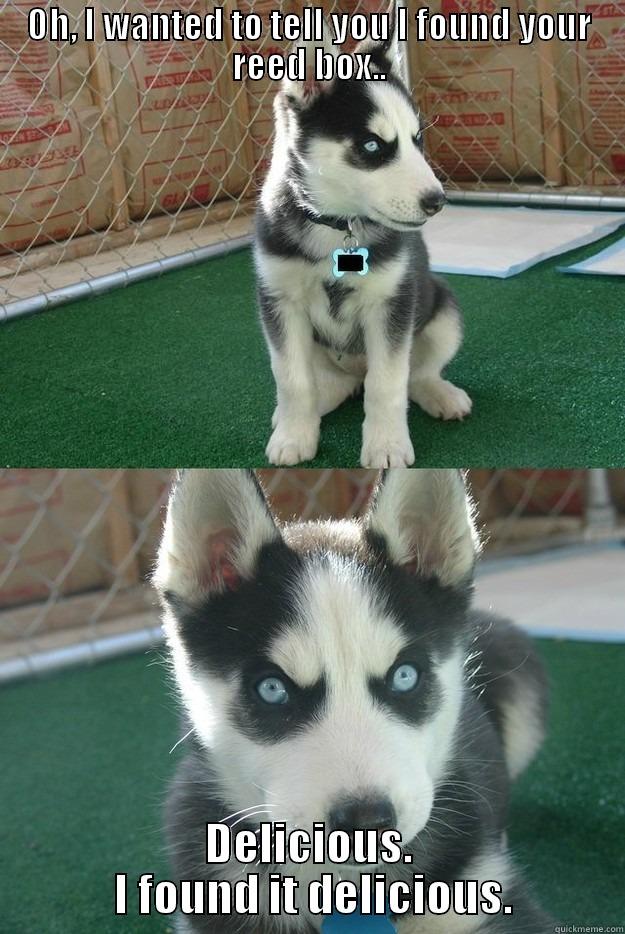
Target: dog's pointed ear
{"points": [[217, 522], [384, 52], [303, 93], [425, 518]]}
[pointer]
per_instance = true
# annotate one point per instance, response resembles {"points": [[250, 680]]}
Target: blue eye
{"points": [[418, 139], [371, 145], [405, 678], [272, 691]]}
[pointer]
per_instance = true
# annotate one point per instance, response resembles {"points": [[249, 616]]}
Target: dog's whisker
{"points": [[181, 740], [263, 789], [245, 811]]}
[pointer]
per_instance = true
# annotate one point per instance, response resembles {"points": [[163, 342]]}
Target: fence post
{"points": [[600, 513]]}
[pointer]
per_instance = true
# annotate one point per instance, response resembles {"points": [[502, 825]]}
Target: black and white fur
{"points": [[332, 608], [395, 328]]}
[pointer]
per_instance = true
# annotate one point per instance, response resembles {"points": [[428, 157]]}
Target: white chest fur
{"points": [[336, 307]]}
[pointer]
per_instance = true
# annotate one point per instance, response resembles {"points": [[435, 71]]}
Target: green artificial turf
{"points": [[85, 757], [174, 372]]}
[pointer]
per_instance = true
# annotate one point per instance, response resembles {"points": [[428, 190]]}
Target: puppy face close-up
{"points": [[322, 663], [358, 146]]}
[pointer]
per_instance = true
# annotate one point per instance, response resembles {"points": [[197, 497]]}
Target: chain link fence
{"points": [[120, 159], [77, 546]]}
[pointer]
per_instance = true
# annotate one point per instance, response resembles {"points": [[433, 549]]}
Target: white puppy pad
{"points": [[609, 262], [572, 593], [503, 241]]}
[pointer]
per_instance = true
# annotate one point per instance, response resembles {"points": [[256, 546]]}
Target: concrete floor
{"points": [[575, 593]]}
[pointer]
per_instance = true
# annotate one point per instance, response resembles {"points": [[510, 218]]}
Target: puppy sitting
{"points": [[347, 173]]}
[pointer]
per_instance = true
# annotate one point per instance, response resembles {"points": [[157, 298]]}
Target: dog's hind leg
{"points": [[334, 385], [432, 349]]}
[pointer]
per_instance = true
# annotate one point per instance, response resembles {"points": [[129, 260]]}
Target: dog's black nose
{"points": [[363, 814], [432, 202]]}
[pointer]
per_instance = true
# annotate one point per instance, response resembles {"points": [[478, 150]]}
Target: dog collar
{"points": [[344, 224], [353, 257]]}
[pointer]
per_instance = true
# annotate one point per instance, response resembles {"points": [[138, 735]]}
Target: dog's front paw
{"points": [[292, 442], [384, 447], [441, 399]]}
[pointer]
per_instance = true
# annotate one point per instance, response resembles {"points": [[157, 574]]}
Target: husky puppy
{"points": [[335, 672], [348, 160]]}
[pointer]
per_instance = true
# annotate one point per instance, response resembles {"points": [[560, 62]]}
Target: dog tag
{"points": [[358, 924], [350, 260]]}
